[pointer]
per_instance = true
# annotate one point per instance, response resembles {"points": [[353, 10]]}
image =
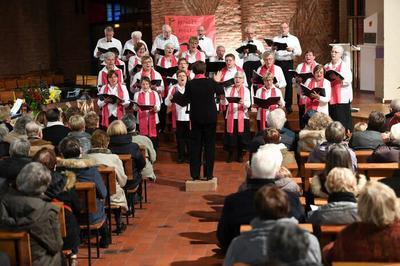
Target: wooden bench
{"points": [[247, 227], [110, 180], [87, 194], [17, 247], [377, 170], [61, 217]]}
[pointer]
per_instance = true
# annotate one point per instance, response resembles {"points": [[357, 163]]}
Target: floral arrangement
{"points": [[36, 97]]}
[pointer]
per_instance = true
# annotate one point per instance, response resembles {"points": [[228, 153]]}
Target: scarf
{"points": [[336, 86], [163, 61], [222, 107], [120, 110], [341, 196], [198, 56], [264, 71], [230, 118], [312, 104], [104, 73], [173, 109], [263, 112], [147, 119], [304, 67]]}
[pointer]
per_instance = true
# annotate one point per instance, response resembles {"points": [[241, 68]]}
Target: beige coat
{"points": [[309, 139], [105, 157]]}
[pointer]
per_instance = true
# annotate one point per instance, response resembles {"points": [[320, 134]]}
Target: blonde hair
{"points": [[268, 75], [360, 126], [117, 128], [319, 121], [378, 204], [341, 179], [77, 123]]}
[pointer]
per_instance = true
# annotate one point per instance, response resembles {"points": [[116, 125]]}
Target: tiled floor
{"points": [[175, 227]]}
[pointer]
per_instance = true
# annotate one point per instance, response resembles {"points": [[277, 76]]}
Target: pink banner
{"points": [[185, 26]]}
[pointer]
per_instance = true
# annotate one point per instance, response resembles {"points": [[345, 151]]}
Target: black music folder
{"points": [[166, 72], [266, 103], [252, 48], [258, 79], [233, 99], [303, 76], [329, 75], [307, 92], [215, 66]]}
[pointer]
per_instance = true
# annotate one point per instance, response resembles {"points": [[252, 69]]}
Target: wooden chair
{"points": [[128, 168], [61, 217], [303, 160], [307, 227], [143, 151], [17, 247], [245, 228], [311, 169], [293, 168], [110, 180], [87, 195]]}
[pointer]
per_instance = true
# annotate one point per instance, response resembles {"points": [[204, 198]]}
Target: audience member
{"points": [[284, 180], [85, 171], [389, 152], [11, 166], [24, 210], [376, 237], [4, 146], [102, 155], [341, 185], [272, 136], [19, 131], [277, 119], [55, 130], [91, 122], [360, 127], [370, 138], [77, 125], [35, 135], [130, 122], [393, 117], [41, 119], [238, 207], [5, 117], [314, 132], [272, 208]]}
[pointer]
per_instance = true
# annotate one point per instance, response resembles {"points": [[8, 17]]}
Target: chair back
{"points": [[17, 247]]}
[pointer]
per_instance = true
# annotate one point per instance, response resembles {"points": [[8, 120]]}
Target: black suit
{"points": [[55, 134], [203, 116]]}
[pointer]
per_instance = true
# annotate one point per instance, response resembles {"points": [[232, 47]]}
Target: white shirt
{"points": [[104, 69], [252, 56], [323, 100], [130, 46], [191, 75], [230, 74], [121, 63], [147, 102], [167, 62], [246, 101], [191, 58], [181, 114], [133, 61], [291, 41], [346, 91], [102, 43], [138, 76], [278, 73], [298, 70], [159, 42], [206, 45], [278, 93], [216, 59], [112, 108]]}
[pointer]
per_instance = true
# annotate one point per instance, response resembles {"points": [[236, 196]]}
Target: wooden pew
{"points": [[61, 217], [247, 227], [17, 247], [87, 194], [110, 180], [293, 168], [377, 170], [362, 155]]}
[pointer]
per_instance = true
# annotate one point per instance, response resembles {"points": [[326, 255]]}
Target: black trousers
{"points": [[162, 115], [286, 65], [202, 136], [237, 141], [342, 112], [182, 134]]}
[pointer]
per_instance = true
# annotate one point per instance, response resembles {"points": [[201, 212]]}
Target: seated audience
{"points": [[55, 130], [334, 133], [34, 133], [85, 171], [121, 143], [376, 237], [11, 166], [284, 181], [272, 208], [23, 210], [61, 188], [314, 132], [272, 136], [277, 119], [337, 156], [360, 127], [4, 146], [19, 131], [130, 122], [288, 244], [91, 122], [342, 204], [77, 125], [41, 119], [5, 117], [394, 116], [102, 155], [238, 207], [370, 138], [389, 152]]}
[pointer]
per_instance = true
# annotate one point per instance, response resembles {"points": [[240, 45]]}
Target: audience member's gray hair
{"points": [[335, 132], [266, 162], [3, 131], [109, 54], [19, 147], [33, 179], [130, 122], [239, 74], [395, 105], [20, 124], [33, 129], [137, 34], [276, 119]]}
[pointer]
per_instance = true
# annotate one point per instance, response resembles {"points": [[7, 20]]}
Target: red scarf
{"points": [[313, 104], [147, 124], [120, 110], [263, 112], [222, 107], [230, 119], [198, 55], [173, 108], [336, 86], [264, 71], [304, 67], [104, 80], [173, 61], [152, 74]]}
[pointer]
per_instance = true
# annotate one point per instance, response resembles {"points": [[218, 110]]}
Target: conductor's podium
{"points": [[201, 186]]}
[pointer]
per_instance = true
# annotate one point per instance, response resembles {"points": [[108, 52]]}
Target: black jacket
{"points": [[55, 134], [239, 209], [200, 93], [10, 167]]}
